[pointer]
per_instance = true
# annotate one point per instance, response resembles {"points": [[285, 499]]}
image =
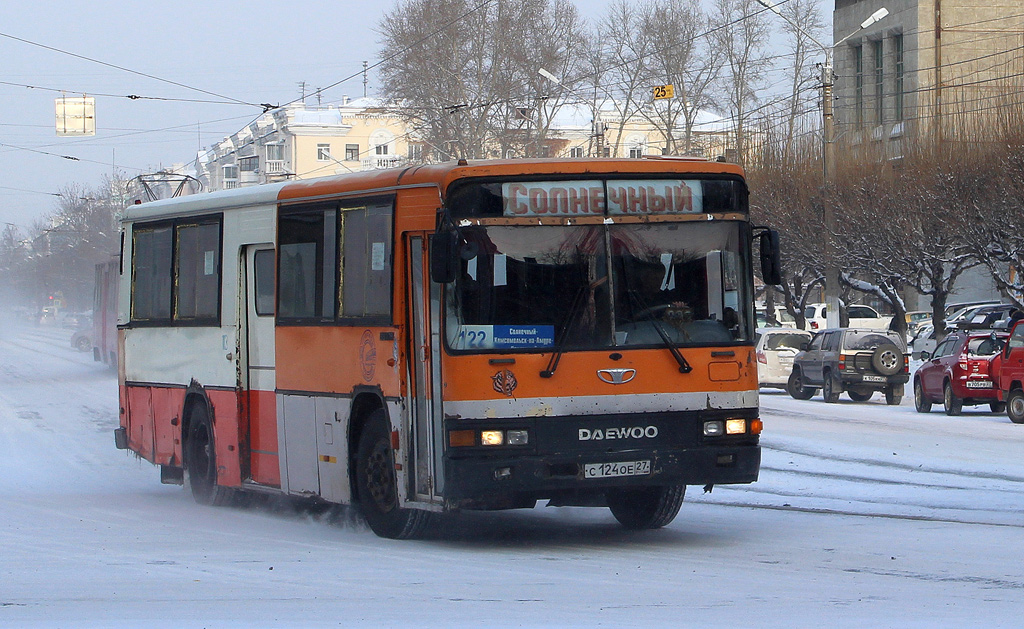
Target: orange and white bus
{"points": [[455, 336]]}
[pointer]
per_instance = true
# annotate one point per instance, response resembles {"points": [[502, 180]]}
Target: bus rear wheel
{"points": [[639, 508], [377, 487], [201, 460]]}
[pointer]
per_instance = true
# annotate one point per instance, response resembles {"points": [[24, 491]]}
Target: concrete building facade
{"points": [[931, 68]]}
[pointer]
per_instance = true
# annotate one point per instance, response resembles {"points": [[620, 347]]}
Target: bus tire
{"points": [[638, 508], [201, 460], [377, 487]]}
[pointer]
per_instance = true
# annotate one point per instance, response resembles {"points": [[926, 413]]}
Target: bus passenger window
{"points": [[151, 274], [307, 269], [366, 240], [198, 271]]}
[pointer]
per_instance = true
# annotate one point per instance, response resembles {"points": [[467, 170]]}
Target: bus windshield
{"points": [[598, 286]]}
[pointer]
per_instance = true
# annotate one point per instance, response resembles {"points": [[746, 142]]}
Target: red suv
{"points": [[960, 372], [1011, 374]]}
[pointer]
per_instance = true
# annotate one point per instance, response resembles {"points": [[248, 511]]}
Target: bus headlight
{"points": [[492, 437], [714, 429], [735, 426], [517, 437]]}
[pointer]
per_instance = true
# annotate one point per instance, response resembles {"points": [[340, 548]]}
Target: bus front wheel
{"points": [[377, 487], [639, 508]]}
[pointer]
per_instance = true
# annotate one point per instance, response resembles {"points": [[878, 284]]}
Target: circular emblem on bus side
{"points": [[368, 356]]}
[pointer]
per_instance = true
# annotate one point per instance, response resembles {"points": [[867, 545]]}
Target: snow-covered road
{"points": [[865, 515]]}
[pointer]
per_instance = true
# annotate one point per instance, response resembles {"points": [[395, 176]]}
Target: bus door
{"points": [[257, 368], [425, 374]]}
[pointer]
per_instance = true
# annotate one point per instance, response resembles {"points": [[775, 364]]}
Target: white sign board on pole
{"points": [[76, 115]]}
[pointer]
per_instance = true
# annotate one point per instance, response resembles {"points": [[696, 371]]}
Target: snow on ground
{"points": [[864, 515]]}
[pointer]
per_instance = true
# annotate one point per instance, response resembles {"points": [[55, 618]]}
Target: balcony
{"points": [[275, 167], [381, 161]]}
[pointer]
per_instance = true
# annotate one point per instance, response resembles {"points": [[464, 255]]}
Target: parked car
{"points": [[775, 350], [954, 317], [859, 361], [1009, 367], [82, 339], [990, 317], [916, 319], [923, 342], [782, 316], [960, 373], [860, 317]]}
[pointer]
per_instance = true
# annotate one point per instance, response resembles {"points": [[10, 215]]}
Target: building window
{"points": [[415, 152], [351, 152], [230, 172], [879, 81], [898, 69], [381, 149], [636, 152], [323, 152], [249, 164], [576, 152], [275, 152], [858, 82], [607, 151]]}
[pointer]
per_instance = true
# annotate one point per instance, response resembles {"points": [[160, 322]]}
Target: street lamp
{"points": [[828, 153]]}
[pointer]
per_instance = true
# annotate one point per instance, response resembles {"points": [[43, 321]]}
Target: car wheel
{"points": [[796, 389], [997, 407], [377, 487], [83, 344], [950, 402], [887, 360], [860, 396], [639, 508], [828, 389], [1015, 406], [921, 403], [894, 394]]}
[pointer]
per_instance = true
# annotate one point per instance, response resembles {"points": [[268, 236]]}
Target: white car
{"points": [[860, 317], [785, 320], [775, 350], [923, 341]]}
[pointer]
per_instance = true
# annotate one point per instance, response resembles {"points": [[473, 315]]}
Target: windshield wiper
{"points": [[684, 366], [567, 325]]}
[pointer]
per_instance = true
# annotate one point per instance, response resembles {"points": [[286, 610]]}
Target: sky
{"points": [[226, 51], [864, 515], [255, 51]]}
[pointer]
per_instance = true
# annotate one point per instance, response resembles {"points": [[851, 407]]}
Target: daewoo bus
{"points": [[459, 336]]}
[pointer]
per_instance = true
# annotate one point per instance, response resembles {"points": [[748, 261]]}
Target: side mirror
{"points": [[444, 263], [771, 264], [926, 355]]}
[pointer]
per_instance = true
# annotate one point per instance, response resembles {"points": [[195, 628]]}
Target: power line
{"points": [[265, 106]]}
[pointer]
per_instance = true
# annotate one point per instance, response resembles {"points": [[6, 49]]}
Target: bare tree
{"points": [[741, 32], [465, 75], [625, 47], [684, 58]]}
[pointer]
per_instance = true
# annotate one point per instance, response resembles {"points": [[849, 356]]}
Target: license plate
{"points": [[624, 468], [979, 384], [873, 378]]}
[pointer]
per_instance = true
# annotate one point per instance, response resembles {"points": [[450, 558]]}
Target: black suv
{"points": [[859, 361]]}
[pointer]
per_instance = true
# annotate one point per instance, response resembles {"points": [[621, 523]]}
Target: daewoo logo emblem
{"points": [[616, 376]]}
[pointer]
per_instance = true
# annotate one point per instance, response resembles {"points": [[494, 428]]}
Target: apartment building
{"points": [[300, 142]]}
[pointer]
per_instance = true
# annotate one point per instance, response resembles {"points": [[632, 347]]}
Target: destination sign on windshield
{"points": [[589, 198]]}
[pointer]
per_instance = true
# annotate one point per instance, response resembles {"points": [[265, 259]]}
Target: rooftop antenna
{"points": [[364, 79], [302, 91]]}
